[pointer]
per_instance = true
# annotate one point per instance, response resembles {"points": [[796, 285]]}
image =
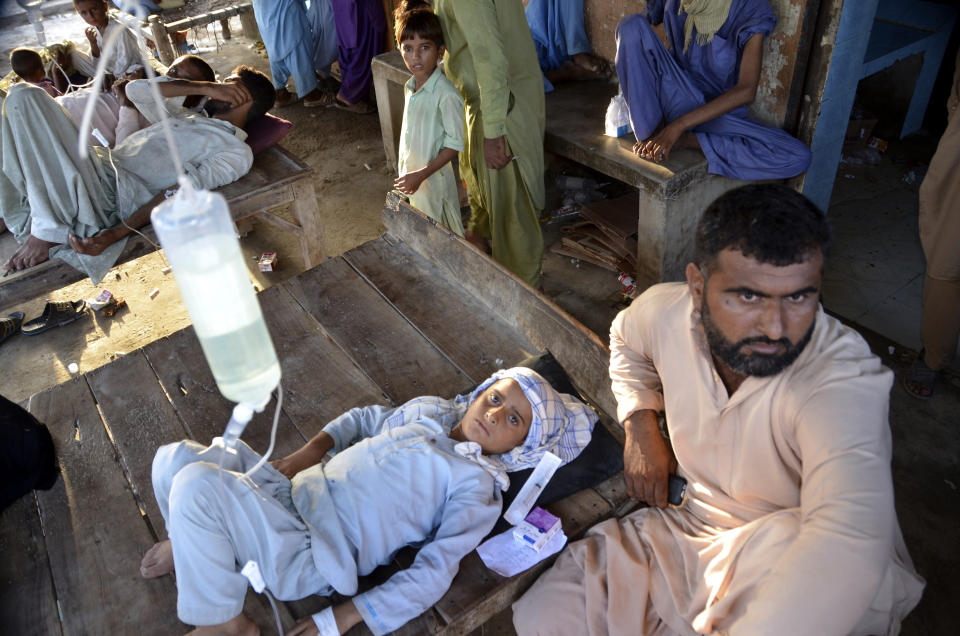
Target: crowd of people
{"points": [[775, 413]]}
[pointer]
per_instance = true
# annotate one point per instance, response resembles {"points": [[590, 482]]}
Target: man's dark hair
{"points": [[205, 70], [25, 62], [770, 223], [261, 90], [414, 18]]}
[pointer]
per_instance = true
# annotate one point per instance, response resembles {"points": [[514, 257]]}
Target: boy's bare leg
{"points": [[33, 252], [157, 561], [239, 625]]}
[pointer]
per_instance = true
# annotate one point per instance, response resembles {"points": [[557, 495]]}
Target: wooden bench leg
{"points": [[248, 25], [308, 215], [162, 40], [225, 28]]}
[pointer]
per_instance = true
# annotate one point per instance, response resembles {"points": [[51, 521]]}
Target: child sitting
{"points": [[433, 127], [123, 59], [428, 471], [28, 65]]}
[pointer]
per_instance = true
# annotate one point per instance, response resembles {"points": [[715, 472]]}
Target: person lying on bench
{"points": [[777, 419], [431, 470], [563, 49], [82, 210], [696, 94]]}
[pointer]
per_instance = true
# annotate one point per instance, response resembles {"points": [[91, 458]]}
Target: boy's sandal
{"points": [[325, 99], [920, 379], [360, 108], [55, 314], [10, 325]]}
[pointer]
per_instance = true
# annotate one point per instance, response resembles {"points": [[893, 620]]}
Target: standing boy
{"points": [[432, 132]]}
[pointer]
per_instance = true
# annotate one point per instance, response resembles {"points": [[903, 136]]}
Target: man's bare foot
{"points": [[239, 625], [157, 561], [590, 62], [93, 245], [31, 253], [477, 241]]}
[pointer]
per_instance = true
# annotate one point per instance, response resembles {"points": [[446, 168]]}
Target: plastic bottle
{"points": [[198, 237]]}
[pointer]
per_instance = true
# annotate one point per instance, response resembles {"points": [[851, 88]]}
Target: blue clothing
{"points": [[661, 85], [558, 32], [324, 31], [395, 480], [286, 34]]}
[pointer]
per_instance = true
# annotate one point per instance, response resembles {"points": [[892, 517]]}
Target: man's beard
{"points": [[757, 364], [216, 107]]}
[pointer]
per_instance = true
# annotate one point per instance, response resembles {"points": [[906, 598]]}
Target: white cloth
{"points": [[788, 526]]}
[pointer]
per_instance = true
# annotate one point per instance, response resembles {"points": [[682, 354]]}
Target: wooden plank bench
{"points": [[276, 179], [415, 311], [160, 31]]}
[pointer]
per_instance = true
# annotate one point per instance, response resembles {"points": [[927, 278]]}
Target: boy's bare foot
{"points": [[157, 561], [33, 252], [239, 625]]}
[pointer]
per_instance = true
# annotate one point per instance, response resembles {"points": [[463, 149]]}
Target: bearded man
{"points": [[777, 418]]}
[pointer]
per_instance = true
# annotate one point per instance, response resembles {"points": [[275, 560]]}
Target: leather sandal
{"points": [[10, 325], [55, 314]]}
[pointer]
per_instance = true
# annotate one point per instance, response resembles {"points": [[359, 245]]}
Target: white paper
{"points": [[506, 557]]}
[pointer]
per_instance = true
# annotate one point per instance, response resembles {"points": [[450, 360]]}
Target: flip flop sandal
{"points": [[923, 377], [55, 314], [10, 325], [325, 99]]}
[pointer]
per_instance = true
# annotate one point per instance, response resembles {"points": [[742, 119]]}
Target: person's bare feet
{"points": [[33, 252], [93, 245], [598, 66], [239, 625], [157, 561]]}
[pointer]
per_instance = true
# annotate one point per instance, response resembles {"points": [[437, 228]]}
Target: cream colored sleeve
{"points": [[633, 376]]}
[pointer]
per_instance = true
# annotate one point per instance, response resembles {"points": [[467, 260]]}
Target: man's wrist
{"points": [[641, 423]]}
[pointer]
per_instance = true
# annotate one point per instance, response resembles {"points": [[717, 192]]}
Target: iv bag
{"points": [[198, 237]]}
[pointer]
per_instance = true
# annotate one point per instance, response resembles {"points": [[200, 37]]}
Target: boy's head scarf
{"points": [[561, 423], [707, 15]]}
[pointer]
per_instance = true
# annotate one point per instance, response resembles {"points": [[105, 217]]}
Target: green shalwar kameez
{"points": [[492, 61]]}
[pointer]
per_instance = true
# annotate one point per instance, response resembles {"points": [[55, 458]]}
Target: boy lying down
{"points": [[428, 472]]}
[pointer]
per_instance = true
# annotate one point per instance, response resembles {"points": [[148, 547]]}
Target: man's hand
{"points": [[647, 460], [234, 93], [91, 33], [495, 153], [345, 614], [410, 182], [95, 244]]}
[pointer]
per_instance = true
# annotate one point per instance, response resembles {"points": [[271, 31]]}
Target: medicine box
{"points": [[536, 529]]}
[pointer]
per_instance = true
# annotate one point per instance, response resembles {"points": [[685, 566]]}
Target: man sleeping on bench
{"points": [[82, 210], [431, 470]]}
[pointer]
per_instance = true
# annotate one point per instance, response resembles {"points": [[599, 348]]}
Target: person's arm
{"points": [[345, 614], [310, 454], [743, 92], [481, 28], [636, 384], [100, 241], [469, 513], [410, 182], [91, 33], [825, 580]]}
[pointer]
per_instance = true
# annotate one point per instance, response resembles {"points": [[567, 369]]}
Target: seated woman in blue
{"points": [[429, 472], [699, 89]]}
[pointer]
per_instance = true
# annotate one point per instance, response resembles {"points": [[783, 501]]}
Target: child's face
{"points": [[421, 57], [93, 12], [499, 418]]}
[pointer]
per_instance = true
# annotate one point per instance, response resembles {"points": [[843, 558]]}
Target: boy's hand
{"points": [[304, 627], [91, 34], [120, 90], [410, 182], [495, 153]]}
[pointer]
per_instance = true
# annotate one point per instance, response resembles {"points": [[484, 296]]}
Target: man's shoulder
{"points": [[662, 297]]}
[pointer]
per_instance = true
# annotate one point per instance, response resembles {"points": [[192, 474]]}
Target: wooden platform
{"points": [[277, 178], [380, 324]]}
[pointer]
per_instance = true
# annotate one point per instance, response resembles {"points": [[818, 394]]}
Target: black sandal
{"points": [[10, 325], [55, 314]]}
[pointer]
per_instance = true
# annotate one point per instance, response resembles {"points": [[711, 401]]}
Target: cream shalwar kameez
{"points": [[940, 236], [492, 61], [126, 52], [788, 526]]}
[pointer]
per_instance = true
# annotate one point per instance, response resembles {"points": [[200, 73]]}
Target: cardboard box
{"points": [[268, 262], [536, 529]]}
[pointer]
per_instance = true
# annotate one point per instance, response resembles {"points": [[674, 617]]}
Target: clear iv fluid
{"points": [[198, 237], [228, 322]]}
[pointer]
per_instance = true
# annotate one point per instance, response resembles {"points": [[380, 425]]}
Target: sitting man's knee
{"points": [[633, 29]]}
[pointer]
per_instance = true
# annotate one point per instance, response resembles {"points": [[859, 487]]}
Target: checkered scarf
{"points": [[561, 423]]}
